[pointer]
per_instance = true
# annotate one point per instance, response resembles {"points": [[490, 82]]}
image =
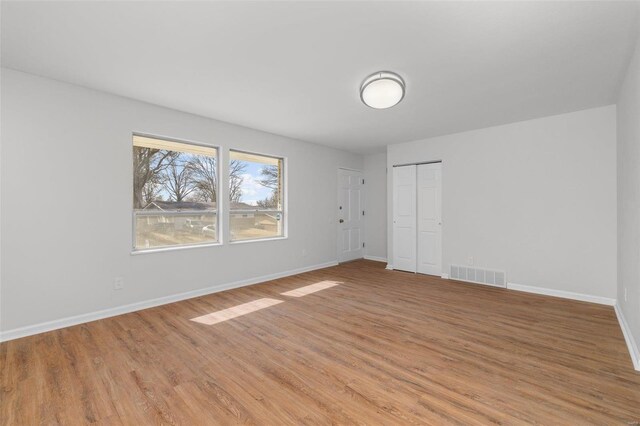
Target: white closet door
{"points": [[430, 219], [404, 218]]}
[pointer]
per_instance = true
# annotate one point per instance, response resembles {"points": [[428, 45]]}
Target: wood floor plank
{"points": [[378, 347]]}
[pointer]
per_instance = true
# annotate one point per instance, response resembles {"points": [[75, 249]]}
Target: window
{"points": [[175, 187], [256, 196]]}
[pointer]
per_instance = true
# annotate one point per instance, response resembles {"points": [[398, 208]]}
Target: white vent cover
{"points": [[478, 275]]}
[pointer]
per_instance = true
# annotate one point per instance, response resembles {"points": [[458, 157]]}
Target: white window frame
{"points": [[285, 200], [219, 201]]}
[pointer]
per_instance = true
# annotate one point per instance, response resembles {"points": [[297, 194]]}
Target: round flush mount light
{"points": [[381, 90]]}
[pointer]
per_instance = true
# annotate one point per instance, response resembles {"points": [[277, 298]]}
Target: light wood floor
{"points": [[383, 347]]}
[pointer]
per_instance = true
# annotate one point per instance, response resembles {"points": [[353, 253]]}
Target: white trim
{"points": [[29, 330], [490, 285], [376, 258], [351, 170], [173, 248], [444, 276], [389, 267], [561, 293], [632, 346], [256, 240]]}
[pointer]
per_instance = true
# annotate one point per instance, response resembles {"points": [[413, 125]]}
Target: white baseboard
{"points": [[389, 267], [561, 293], [632, 346], [376, 258], [30, 330]]}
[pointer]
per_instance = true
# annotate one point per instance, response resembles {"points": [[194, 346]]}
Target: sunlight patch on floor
{"points": [[236, 311], [312, 288]]}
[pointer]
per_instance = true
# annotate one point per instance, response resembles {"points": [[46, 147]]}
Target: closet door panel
{"points": [[404, 218]]}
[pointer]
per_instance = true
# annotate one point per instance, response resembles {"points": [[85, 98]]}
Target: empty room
{"points": [[319, 212]]}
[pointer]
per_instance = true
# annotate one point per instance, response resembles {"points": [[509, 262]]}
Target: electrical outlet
{"points": [[470, 260], [304, 252], [118, 283], [625, 294]]}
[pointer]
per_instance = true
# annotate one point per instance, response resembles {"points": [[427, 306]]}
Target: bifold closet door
{"points": [[404, 218], [430, 219]]}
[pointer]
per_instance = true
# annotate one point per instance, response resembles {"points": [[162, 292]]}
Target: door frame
{"points": [[337, 215]]}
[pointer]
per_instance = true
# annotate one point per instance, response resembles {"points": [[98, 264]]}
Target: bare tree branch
{"points": [[271, 180], [148, 163], [236, 169], [205, 175], [178, 179]]}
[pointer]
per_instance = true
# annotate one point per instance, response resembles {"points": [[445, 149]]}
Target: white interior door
{"points": [[404, 218], [430, 219], [350, 215]]}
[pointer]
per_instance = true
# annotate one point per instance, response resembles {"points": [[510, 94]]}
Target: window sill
{"points": [[257, 240], [163, 249]]}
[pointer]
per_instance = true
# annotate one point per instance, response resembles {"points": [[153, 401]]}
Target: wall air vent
{"points": [[478, 275]]}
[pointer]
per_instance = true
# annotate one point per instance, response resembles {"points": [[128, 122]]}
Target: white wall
{"points": [[535, 198], [66, 203], [375, 176], [629, 197]]}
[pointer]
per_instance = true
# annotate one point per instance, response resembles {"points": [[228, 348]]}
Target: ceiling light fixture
{"points": [[381, 90]]}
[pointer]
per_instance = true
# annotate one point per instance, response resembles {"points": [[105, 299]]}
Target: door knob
{"points": [[341, 220]]}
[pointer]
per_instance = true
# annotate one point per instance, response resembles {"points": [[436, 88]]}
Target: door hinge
{"points": [[363, 181], [362, 212], [363, 245]]}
